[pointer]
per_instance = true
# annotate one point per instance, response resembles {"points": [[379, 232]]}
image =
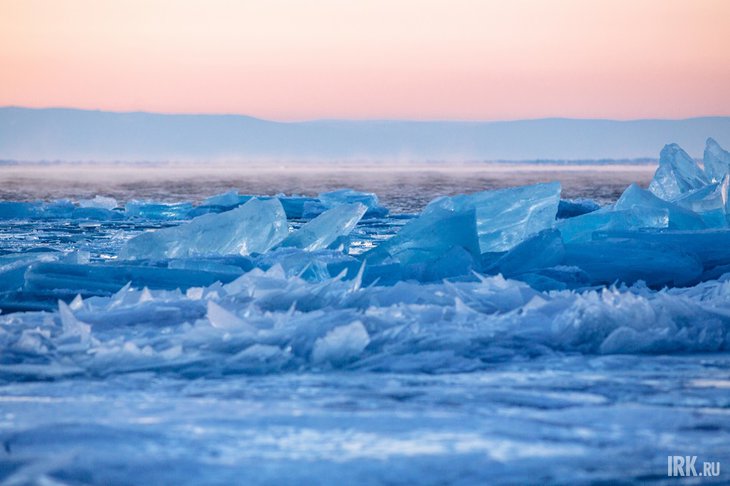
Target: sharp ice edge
{"points": [[254, 227], [716, 161], [323, 230], [677, 173]]}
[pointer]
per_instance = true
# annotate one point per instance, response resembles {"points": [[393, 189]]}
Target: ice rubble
{"points": [[520, 232], [107, 208], [267, 322], [308, 304], [292, 298]]}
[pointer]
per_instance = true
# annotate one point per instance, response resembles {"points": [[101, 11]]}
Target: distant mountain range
{"points": [[59, 134]]}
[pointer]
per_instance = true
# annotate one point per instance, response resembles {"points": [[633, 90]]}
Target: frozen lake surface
{"points": [[295, 367]]}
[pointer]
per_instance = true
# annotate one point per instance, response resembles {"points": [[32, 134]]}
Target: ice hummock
{"points": [[677, 174], [521, 233], [670, 235], [254, 227]]}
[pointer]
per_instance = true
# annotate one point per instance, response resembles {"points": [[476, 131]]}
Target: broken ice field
{"points": [[504, 335]]}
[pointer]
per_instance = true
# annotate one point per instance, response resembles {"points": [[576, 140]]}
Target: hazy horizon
{"points": [[83, 135], [354, 119]]}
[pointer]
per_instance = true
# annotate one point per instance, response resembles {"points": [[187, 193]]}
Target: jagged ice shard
{"points": [[716, 161], [709, 202], [323, 230], [677, 174], [253, 227]]}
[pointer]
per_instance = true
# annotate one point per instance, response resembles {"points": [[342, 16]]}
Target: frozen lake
{"points": [[293, 375]]}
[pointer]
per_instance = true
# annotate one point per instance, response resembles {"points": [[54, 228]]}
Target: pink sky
{"points": [[411, 59]]}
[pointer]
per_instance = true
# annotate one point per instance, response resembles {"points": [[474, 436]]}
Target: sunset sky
{"points": [[409, 59]]}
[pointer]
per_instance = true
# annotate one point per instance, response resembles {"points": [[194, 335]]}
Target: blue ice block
{"points": [[226, 199], [323, 230], [61, 208], [506, 217], [709, 202], [231, 264], [677, 174], [14, 265], [89, 209], [570, 208], [96, 213], [157, 210], [559, 277], [101, 202], [680, 217], [350, 196], [711, 246], [294, 206], [628, 260], [221, 203], [252, 228], [581, 228], [716, 161], [19, 210], [310, 265], [436, 237], [312, 209], [67, 279], [543, 250]]}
